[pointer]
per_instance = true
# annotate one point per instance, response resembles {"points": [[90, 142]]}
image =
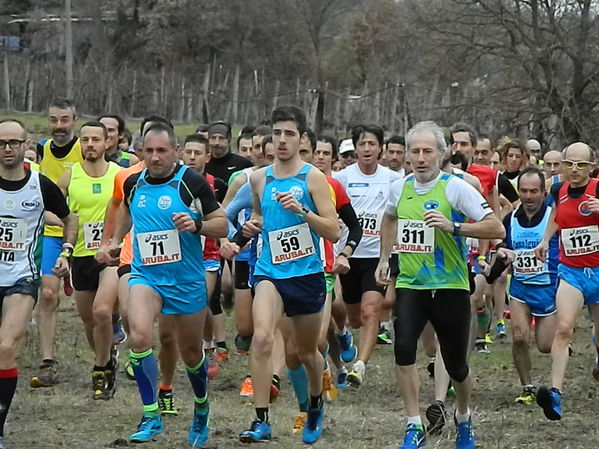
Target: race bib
{"points": [[291, 243], [413, 236], [370, 223], [13, 232], [92, 234], [159, 247], [580, 241], [527, 263]]}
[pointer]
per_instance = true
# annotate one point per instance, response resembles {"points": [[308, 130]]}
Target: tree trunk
{"points": [[7, 101]]}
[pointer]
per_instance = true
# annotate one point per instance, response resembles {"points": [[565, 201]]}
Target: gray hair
{"points": [[431, 127]]}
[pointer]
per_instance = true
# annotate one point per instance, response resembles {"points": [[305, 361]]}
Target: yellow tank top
{"points": [[53, 168], [88, 198]]}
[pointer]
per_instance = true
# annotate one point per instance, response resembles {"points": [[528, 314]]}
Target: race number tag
{"points": [[580, 241], [291, 243], [415, 237], [370, 222], [527, 263], [159, 247], [12, 234], [92, 234]]}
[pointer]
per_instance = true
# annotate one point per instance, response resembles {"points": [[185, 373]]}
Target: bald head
{"points": [[533, 145], [553, 163], [578, 151]]}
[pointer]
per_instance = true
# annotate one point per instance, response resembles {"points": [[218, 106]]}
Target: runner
{"points": [[223, 163], [88, 186], [58, 154], [367, 183], [533, 285], [424, 205], [116, 129], [169, 205], [576, 218], [25, 196], [292, 209]]}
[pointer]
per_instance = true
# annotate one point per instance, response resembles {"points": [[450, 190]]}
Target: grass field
{"points": [[370, 417]]}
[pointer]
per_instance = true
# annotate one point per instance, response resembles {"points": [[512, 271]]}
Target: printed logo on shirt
{"points": [[96, 189], [164, 202], [297, 192], [431, 205], [30, 205], [9, 204], [583, 208], [142, 201]]}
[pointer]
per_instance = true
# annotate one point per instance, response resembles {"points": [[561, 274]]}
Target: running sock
{"points": [[200, 404], [299, 381], [359, 366], [483, 317], [415, 420], [166, 387], [8, 386], [316, 401], [462, 417], [221, 344], [145, 369], [198, 377], [262, 413]]}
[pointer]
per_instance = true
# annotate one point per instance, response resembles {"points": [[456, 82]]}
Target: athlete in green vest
{"points": [[426, 216]]}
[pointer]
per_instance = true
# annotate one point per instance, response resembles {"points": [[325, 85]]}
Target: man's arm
{"points": [[543, 246], [325, 223], [64, 181], [388, 238], [234, 187]]}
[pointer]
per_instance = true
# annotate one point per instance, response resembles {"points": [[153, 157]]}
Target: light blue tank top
{"points": [[526, 268], [290, 247], [161, 254]]}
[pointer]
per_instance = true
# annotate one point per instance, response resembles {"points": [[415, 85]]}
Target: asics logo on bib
{"points": [[156, 238], [7, 224], [285, 234]]}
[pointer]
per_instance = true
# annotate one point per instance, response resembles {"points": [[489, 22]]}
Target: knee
{"points": [[262, 343], [48, 300], [456, 372], [519, 336], [102, 314], [405, 351], [564, 331], [355, 320], [167, 337], [141, 339], [8, 349], [544, 347], [191, 354]]}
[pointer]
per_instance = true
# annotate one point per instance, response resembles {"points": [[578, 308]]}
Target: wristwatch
{"points": [[304, 212], [457, 227]]}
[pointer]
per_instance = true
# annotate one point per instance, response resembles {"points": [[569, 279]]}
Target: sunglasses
{"points": [[581, 165]]}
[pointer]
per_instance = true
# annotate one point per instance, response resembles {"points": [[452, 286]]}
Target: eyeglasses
{"points": [[580, 165], [12, 143]]}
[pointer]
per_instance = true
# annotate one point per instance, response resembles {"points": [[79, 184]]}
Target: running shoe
{"points": [[451, 393], [166, 403], [46, 375], [275, 389], [431, 368], [129, 371], [247, 388], [464, 435], [348, 350], [213, 366], [118, 333], [596, 370], [259, 431], [528, 396], [198, 432], [299, 422], [384, 337], [550, 401], [314, 425], [110, 376], [488, 339], [99, 386], [221, 355], [481, 346], [415, 437], [437, 417], [149, 427], [329, 390], [500, 328], [342, 378], [355, 377]]}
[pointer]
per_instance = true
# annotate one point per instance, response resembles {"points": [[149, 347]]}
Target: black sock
{"points": [[47, 362], [221, 344], [8, 386], [316, 401], [99, 368], [262, 413], [276, 381]]}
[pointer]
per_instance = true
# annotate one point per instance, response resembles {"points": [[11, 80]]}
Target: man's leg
{"points": [[16, 311], [595, 313], [520, 322], [103, 305], [84, 300]]}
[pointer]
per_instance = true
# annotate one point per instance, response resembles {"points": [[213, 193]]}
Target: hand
{"points": [[485, 268], [184, 222], [507, 254], [541, 251], [61, 267], [251, 228], [381, 274], [435, 219], [341, 265], [112, 255], [102, 255], [289, 202], [594, 205], [229, 250]]}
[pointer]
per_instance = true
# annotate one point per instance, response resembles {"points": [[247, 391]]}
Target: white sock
{"points": [[414, 420], [460, 418], [360, 366]]}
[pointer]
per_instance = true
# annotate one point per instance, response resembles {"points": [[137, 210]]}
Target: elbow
{"points": [[500, 234], [222, 229], [333, 234]]}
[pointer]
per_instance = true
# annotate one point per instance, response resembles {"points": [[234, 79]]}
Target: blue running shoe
{"points": [[465, 435], [342, 378], [259, 431], [414, 438], [118, 333], [148, 428], [313, 426], [550, 401], [198, 432], [348, 350]]}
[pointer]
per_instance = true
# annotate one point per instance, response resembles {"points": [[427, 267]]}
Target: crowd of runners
{"points": [[433, 237]]}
